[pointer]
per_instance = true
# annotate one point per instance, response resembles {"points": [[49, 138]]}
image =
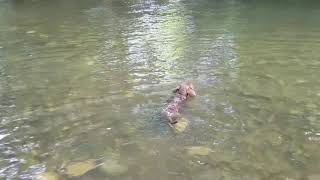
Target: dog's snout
{"points": [[192, 93]]}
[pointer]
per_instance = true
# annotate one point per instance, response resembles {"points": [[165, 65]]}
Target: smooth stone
{"points": [[181, 125], [48, 176], [77, 169], [198, 150], [114, 168]]}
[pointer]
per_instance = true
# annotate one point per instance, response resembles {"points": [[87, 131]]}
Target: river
{"points": [[83, 80]]}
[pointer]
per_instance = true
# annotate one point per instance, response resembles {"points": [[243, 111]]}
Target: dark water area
{"points": [[83, 80]]}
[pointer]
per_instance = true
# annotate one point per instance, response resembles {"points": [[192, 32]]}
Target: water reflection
{"points": [[89, 82]]}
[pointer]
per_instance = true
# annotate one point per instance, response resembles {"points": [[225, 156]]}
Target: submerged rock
{"points": [[260, 136], [48, 176], [77, 169], [114, 168], [181, 125], [198, 150]]}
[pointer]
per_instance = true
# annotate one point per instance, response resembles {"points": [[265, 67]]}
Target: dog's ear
{"points": [[176, 89]]}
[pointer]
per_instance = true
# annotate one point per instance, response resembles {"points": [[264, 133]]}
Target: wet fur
{"points": [[172, 109]]}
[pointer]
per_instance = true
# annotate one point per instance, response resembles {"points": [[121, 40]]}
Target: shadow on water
{"points": [[83, 80]]}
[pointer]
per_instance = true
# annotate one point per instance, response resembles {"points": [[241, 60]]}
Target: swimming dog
{"points": [[172, 109]]}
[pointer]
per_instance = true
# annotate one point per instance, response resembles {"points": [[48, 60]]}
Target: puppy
{"points": [[172, 110]]}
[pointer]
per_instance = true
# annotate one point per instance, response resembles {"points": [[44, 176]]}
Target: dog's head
{"points": [[185, 89]]}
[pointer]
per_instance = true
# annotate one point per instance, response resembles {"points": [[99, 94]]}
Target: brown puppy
{"points": [[182, 93]]}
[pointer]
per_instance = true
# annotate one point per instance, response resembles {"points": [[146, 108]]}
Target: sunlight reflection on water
{"points": [[89, 82]]}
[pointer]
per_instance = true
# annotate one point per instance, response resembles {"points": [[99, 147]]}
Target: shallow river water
{"points": [[84, 81]]}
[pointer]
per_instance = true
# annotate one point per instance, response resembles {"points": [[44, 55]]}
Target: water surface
{"points": [[86, 80]]}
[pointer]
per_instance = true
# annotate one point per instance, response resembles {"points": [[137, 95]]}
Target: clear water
{"points": [[86, 80]]}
